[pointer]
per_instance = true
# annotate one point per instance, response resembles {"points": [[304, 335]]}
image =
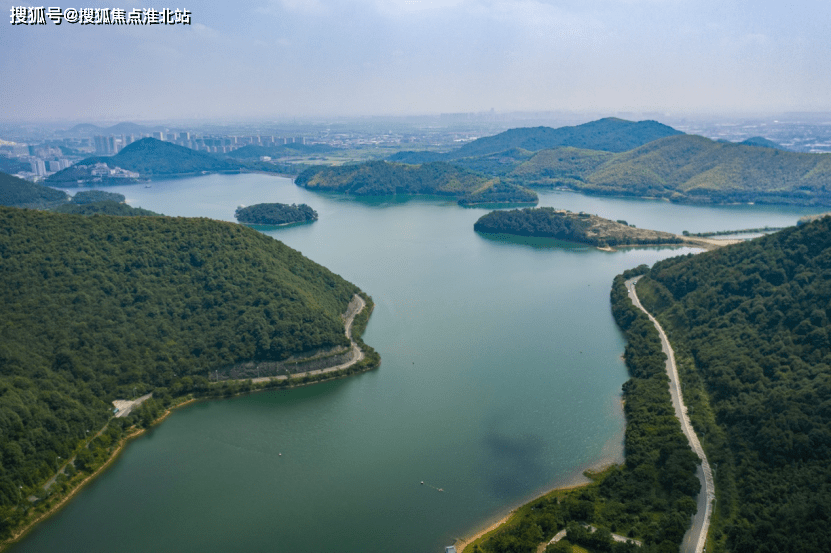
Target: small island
{"points": [[561, 224], [275, 214]]}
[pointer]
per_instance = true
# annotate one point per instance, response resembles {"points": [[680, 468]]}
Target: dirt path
{"points": [[696, 537], [355, 306], [123, 407]]}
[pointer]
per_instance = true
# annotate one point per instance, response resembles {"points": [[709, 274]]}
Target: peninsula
{"points": [[547, 222], [382, 178], [102, 308]]}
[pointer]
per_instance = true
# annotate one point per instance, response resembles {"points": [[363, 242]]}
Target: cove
{"points": [[500, 378]]}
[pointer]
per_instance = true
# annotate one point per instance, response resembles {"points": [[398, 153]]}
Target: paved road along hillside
{"points": [[696, 536]]}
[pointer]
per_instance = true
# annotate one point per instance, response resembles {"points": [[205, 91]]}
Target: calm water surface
{"points": [[500, 378]]}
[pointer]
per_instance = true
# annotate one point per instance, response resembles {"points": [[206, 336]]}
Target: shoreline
{"points": [[571, 482], [137, 432], [20, 534]]}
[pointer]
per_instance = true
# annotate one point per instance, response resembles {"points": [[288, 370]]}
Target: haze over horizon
{"points": [[306, 58]]}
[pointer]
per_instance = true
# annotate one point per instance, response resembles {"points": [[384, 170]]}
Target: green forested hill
{"points": [[381, 178], [687, 168], [275, 214], [750, 324], [98, 308], [150, 158], [609, 134], [18, 192], [104, 207], [547, 222]]}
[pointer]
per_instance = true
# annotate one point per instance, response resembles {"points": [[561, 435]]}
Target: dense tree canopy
{"points": [[585, 228], [754, 319], [275, 214], [98, 308]]}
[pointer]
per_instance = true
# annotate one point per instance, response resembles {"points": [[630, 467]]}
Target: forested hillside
{"points": [[275, 214], [686, 168], [609, 134], [98, 308], [17, 192], [650, 498], [104, 207], [750, 324], [547, 222], [381, 178], [149, 158]]}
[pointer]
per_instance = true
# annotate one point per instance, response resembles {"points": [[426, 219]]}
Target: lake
{"points": [[501, 378]]}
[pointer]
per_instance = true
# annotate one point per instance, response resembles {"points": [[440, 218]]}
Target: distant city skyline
{"points": [[327, 58]]}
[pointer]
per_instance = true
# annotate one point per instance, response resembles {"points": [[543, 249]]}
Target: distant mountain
{"points": [[686, 168], [762, 142], [610, 134], [118, 128], [381, 178], [84, 128], [150, 158], [16, 192]]}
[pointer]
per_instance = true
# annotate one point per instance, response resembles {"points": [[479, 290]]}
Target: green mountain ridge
{"points": [[150, 158], [100, 308], [609, 134], [687, 168], [750, 326], [382, 178], [17, 192]]}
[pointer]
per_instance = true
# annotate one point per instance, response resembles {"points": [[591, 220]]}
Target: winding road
{"points": [[696, 537], [355, 306]]}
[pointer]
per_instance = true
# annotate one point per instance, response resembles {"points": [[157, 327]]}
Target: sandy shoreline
{"points": [[573, 481], [356, 306]]}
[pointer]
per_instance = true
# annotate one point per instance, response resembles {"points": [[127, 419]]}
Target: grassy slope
{"points": [[381, 178], [609, 134], [690, 168]]}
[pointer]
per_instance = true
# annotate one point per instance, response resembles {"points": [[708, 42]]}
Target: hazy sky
{"points": [[276, 58]]}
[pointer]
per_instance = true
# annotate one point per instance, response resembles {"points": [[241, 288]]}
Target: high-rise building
{"points": [[54, 166], [38, 167], [101, 145]]}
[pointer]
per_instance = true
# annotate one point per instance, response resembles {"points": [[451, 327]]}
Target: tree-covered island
{"points": [[275, 214], [547, 222]]}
